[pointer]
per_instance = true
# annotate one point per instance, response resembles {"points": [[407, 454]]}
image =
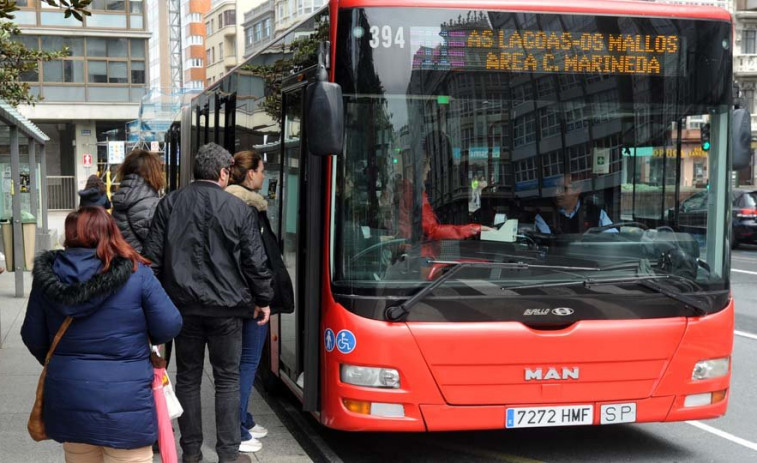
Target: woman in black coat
{"points": [[246, 178], [141, 180]]}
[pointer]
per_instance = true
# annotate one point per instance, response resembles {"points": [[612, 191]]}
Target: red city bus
{"points": [[495, 214]]}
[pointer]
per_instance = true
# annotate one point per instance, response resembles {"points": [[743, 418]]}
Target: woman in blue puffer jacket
{"points": [[98, 391]]}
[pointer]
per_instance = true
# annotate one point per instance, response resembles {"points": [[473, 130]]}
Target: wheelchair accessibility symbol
{"points": [[345, 341]]}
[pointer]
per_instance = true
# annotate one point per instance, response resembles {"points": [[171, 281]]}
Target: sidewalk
{"points": [[19, 372]]}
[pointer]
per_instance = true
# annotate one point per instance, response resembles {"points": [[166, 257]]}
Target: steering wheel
{"points": [[377, 247], [602, 228]]}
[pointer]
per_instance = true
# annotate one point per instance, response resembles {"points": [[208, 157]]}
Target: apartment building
{"points": [[193, 42], [224, 45], [258, 27], [290, 12], [90, 94]]}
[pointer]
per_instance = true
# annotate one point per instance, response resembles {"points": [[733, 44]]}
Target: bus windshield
{"points": [[476, 136]]}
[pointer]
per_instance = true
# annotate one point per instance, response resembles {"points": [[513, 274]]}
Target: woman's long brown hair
{"points": [[92, 227], [145, 164]]}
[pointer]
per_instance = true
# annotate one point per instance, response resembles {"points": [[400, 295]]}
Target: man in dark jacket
{"points": [[215, 272]]}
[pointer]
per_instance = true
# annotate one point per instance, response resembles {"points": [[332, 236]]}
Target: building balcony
{"points": [[230, 61], [745, 65]]}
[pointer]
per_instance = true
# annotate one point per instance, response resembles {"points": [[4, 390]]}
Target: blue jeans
{"points": [[223, 337], [253, 340]]}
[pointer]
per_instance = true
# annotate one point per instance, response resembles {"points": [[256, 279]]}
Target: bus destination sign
{"points": [[480, 49]]}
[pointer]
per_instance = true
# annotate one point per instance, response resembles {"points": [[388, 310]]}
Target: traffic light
{"points": [[705, 134]]}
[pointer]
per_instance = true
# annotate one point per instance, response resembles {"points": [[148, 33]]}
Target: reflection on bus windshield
{"points": [[493, 165]]}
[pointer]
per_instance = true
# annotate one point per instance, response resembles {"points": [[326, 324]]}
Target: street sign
{"points": [[116, 152], [86, 160]]}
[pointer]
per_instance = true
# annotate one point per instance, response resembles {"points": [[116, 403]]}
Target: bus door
{"points": [[301, 231]]}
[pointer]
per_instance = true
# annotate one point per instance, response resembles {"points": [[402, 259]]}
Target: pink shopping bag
{"points": [[165, 431]]}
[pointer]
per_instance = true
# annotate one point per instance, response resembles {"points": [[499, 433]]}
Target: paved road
{"points": [[732, 438]]}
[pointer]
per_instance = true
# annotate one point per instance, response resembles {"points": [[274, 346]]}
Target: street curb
{"points": [[300, 426]]}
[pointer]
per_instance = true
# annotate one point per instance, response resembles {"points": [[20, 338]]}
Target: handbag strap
{"points": [[58, 335]]}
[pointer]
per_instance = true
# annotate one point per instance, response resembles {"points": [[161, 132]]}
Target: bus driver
{"points": [[573, 214]]}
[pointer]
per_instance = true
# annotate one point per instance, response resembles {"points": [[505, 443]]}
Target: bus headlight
{"points": [[370, 376], [708, 369]]}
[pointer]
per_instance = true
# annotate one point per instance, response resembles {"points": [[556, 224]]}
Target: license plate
{"points": [[617, 413], [536, 417]]}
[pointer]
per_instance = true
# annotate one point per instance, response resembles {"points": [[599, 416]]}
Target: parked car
{"points": [[692, 215]]}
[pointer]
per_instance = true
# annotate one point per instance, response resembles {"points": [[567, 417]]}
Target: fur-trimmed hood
{"points": [[72, 282], [250, 197]]}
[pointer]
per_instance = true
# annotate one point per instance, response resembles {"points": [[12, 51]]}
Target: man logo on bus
{"points": [[538, 374], [562, 311], [345, 341], [328, 339]]}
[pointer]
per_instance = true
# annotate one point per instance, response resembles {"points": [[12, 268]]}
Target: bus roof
{"points": [[592, 7]]}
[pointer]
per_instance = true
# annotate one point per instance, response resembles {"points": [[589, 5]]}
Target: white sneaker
{"points": [[249, 446], [258, 431]]}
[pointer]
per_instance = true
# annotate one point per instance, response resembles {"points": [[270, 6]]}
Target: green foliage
{"points": [[16, 59], [297, 56], [75, 8]]}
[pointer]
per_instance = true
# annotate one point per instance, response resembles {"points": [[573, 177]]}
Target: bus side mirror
{"points": [[742, 139], [325, 120]]}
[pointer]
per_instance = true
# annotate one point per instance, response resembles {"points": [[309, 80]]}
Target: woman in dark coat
{"points": [[94, 193], [98, 391], [246, 178], [141, 180]]}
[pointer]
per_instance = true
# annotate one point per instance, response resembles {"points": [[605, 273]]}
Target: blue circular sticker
{"points": [[329, 340], [345, 341]]}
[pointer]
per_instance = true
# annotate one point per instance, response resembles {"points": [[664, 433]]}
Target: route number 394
{"points": [[386, 38]]}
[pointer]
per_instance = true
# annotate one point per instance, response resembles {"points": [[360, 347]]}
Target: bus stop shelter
{"points": [[22, 196]]}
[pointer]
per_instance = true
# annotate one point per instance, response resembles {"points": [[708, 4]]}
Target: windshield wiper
{"points": [[647, 281], [398, 312]]}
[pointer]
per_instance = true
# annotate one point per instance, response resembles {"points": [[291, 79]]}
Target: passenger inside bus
{"points": [[436, 145], [574, 214]]}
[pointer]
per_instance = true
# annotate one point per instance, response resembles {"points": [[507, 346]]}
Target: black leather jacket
{"points": [[205, 256]]}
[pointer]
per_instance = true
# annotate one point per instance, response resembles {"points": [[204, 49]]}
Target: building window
{"points": [[525, 170], [135, 6], [220, 52], [138, 72], [112, 48], [258, 32], [230, 18], [581, 161], [207, 56], [749, 100], [194, 40], [551, 164], [748, 42], [248, 35], [97, 72], [63, 71], [108, 5], [267, 28], [549, 122], [525, 130]]}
